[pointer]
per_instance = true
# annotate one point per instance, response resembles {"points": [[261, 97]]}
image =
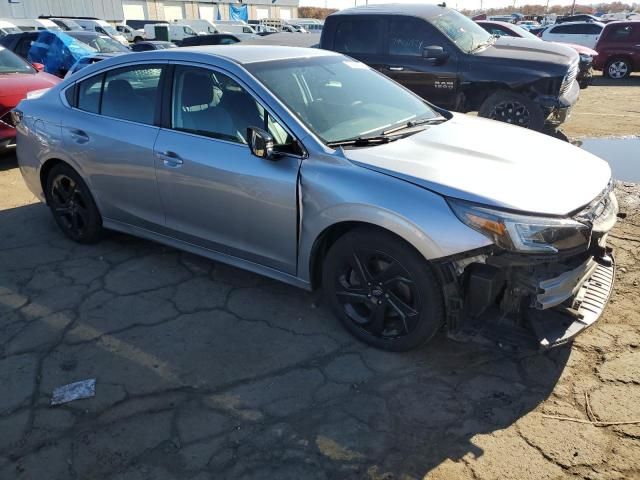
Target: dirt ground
{"points": [[208, 372], [607, 108]]}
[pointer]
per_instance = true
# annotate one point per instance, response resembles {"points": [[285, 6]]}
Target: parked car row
{"points": [[309, 167]]}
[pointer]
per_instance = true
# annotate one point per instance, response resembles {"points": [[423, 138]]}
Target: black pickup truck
{"points": [[452, 62]]}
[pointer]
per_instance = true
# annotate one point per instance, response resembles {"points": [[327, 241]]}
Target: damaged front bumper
{"points": [[531, 301]]}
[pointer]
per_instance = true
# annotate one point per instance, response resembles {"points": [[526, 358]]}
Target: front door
{"points": [[215, 193], [434, 80], [111, 134]]}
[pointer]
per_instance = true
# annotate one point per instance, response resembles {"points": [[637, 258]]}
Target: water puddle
{"points": [[623, 155]]}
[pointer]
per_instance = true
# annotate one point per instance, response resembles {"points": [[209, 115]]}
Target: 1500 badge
{"points": [[447, 84]]}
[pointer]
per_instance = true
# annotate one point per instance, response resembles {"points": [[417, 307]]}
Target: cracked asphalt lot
{"points": [[208, 372]]}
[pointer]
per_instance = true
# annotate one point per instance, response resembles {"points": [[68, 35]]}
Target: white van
{"points": [[101, 26], [172, 32], [233, 26], [31, 24], [131, 34], [201, 26], [7, 27]]}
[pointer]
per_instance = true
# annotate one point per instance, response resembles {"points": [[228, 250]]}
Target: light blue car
{"points": [[312, 168]]}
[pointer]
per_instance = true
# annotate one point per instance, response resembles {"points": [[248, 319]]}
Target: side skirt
{"points": [[205, 252]]}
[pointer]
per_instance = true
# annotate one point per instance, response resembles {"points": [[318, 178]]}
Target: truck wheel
{"points": [[513, 108], [382, 290], [618, 68], [137, 39]]}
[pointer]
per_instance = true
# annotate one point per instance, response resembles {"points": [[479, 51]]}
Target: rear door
{"points": [[433, 80], [361, 37], [110, 134]]}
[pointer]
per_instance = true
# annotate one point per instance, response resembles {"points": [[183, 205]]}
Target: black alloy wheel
{"points": [[73, 207], [383, 291], [513, 108]]}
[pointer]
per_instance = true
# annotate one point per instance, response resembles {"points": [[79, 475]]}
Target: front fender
{"points": [[339, 191]]}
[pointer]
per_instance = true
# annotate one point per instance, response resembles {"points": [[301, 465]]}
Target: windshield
{"points": [[101, 43], [109, 30], [462, 31], [338, 98], [11, 63]]}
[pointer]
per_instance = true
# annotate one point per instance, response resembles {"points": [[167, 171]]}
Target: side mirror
{"points": [[38, 66], [261, 143], [434, 52]]}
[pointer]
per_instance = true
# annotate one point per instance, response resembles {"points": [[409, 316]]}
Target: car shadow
{"points": [[600, 80], [8, 160], [193, 356]]}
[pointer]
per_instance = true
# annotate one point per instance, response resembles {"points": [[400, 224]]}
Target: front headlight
{"points": [[522, 233], [585, 58]]}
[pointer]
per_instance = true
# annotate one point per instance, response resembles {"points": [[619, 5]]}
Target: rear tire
{"points": [[513, 108], [137, 39], [383, 291], [72, 205], [618, 68]]}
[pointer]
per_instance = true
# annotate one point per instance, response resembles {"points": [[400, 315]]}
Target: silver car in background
{"points": [[313, 169]]}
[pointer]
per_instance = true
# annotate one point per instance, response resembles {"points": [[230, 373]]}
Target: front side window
{"points": [[211, 104], [358, 36], [408, 36], [338, 98]]}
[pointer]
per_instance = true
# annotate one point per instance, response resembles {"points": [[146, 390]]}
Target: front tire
{"points": [[382, 290], [513, 108], [618, 68], [72, 205]]}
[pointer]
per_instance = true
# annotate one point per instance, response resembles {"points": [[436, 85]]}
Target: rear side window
{"points": [[408, 36], [591, 29], [131, 93], [358, 36], [620, 33], [564, 29], [89, 93]]}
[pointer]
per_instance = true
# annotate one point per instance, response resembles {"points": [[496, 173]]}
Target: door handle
{"points": [[170, 159], [396, 69], [80, 136]]}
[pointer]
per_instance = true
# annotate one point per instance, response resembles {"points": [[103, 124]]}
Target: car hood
{"points": [[15, 86], [492, 163], [525, 49]]}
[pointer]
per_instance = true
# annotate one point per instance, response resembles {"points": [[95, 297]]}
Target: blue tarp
{"points": [[57, 51], [239, 13]]}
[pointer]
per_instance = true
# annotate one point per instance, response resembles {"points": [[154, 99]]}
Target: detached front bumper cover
{"points": [[587, 300]]}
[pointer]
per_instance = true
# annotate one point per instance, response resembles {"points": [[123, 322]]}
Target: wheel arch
{"points": [[622, 56], [329, 235], [46, 167]]}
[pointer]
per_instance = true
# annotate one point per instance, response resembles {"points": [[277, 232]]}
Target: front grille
{"points": [[569, 78], [8, 120]]}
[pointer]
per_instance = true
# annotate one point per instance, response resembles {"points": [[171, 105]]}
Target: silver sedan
{"points": [[313, 169]]}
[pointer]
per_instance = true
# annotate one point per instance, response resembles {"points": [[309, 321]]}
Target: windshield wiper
{"points": [[414, 123], [360, 141], [492, 39]]}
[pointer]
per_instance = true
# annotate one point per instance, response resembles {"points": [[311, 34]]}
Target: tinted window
{"points": [[592, 29], [564, 29], [620, 33], [498, 31], [89, 93], [131, 93], [23, 47], [409, 36], [358, 36]]}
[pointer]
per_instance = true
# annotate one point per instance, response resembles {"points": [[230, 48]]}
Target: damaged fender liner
{"points": [[532, 302]]}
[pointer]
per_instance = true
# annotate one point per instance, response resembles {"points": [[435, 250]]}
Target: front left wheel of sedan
{"points": [[384, 292], [72, 205]]}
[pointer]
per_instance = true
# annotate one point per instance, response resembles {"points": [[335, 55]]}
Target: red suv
{"points": [[618, 49]]}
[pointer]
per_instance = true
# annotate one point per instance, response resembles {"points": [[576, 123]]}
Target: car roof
{"points": [[579, 23], [413, 10], [244, 54], [307, 40]]}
